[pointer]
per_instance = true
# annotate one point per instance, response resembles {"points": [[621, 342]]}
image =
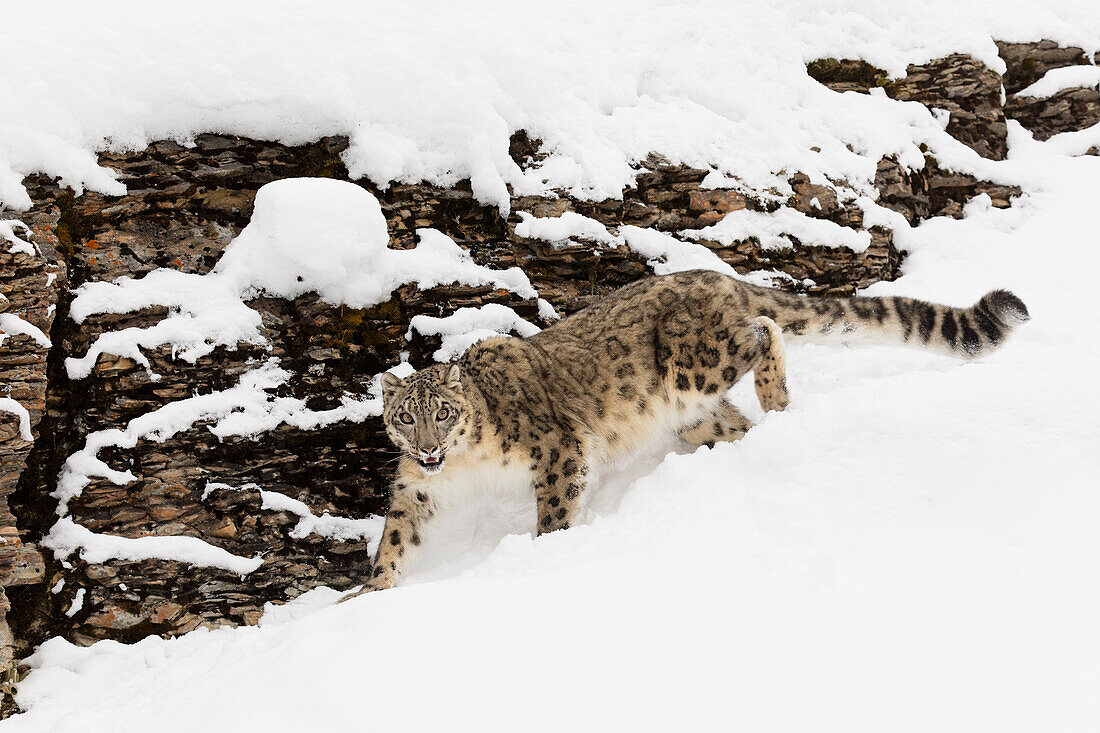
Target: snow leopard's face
{"points": [[426, 414]]}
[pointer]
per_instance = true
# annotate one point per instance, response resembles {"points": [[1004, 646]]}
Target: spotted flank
{"points": [[654, 358]]}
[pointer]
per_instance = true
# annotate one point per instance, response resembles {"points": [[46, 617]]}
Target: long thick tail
{"points": [[966, 332]]}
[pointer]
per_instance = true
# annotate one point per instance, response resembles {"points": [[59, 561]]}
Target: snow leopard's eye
{"points": [[406, 418], [443, 414]]}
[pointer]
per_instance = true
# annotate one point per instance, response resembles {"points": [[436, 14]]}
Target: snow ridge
{"points": [[7, 404], [774, 230], [18, 244], [68, 537], [1066, 77], [466, 326], [13, 325], [326, 525], [745, 108]]}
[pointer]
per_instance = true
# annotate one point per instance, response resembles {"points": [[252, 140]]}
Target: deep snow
{"points": [[911, 546]]}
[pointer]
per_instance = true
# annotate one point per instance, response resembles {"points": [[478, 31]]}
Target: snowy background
{"points": [[913, 545]]}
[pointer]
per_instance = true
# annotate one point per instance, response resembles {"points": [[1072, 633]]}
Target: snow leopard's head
{"points": [[426, 414]]}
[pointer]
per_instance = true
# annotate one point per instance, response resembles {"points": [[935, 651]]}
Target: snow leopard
{"points": [[655, 357]]}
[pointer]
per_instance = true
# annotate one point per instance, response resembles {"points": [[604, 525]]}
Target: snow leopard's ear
{"points": [[454, 378], [390, 384]]}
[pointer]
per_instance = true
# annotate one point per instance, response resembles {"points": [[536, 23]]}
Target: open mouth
{"points": [[431, 464]]}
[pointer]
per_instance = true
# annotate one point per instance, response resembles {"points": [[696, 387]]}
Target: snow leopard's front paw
{"points": [[377, 583]]}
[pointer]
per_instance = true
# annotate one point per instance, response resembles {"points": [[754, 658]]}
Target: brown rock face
{"points": [[1067, 111], [30, 284], [933, 191], [959, 84], [847, 75], [1027, 62], [970, 91]]}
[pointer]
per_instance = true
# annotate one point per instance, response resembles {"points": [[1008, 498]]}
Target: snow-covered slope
{"points": [[910, 547]]}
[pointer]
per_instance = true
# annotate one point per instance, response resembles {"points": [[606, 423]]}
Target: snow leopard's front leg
{"points": [[561, 476], [410, 507]]}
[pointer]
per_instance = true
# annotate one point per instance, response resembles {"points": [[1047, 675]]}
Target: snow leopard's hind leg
{"points": [[561, 476], [770, 373], [769, 368]]}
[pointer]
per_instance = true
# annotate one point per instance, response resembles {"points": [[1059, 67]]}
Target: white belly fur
{"points": [[482, 472], [637, 433]]}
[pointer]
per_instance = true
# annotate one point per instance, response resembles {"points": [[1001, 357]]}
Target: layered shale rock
{"points": [[1065, 111], [1027, 62], [29, 286], [971, 93], [958, 84]]}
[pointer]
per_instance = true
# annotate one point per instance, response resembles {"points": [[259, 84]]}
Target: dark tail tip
{"points": [[1004, 306]]}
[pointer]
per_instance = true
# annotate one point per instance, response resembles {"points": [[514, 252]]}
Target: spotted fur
{"points": [[656, 357]]}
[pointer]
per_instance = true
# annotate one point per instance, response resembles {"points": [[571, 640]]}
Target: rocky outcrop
{"points": [[963, 86], [934, 191], [971, 93], [29, 287], [185, 204], [1066, 111], [1027, 62]]}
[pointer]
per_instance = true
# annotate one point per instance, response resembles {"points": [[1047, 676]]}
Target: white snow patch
{"points": [[773, 230], [326, 525], [13, 325], [77, 604], [466, 326], [668, 254], [547, 310], [18, 244], [7, 404], [561, 229], [67, 537], [1067, 77]]}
